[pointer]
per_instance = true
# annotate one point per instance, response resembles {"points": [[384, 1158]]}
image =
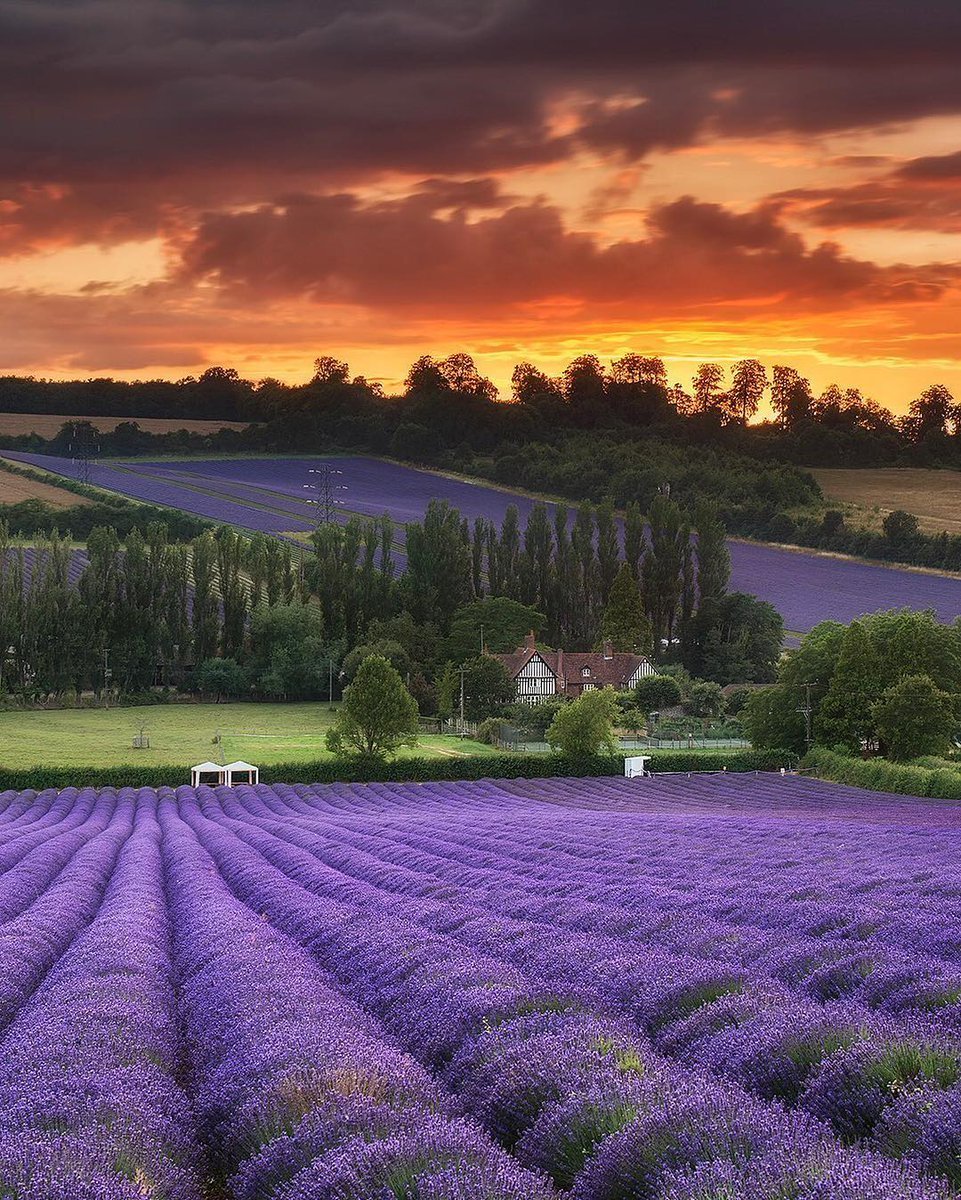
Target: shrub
{"points": [[399, 770]]}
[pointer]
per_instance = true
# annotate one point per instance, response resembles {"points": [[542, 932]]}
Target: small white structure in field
{"points": [[636, 765], [211, 774], [250, 773]]}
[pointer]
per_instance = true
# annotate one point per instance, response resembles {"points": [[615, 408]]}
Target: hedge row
{"points": [[879, 775], [401, 770]]}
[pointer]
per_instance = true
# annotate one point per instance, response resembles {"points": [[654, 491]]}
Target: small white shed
{"points": [[241, 772], [636, 765], [209, 773]]}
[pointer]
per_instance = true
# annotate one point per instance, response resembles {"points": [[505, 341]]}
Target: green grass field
{"points": [[183, 734]]}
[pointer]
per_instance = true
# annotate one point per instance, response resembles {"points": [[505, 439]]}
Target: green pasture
{"points": [[184, 734]]}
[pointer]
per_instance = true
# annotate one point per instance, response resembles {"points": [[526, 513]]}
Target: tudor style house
{"points": [[538, 674]]}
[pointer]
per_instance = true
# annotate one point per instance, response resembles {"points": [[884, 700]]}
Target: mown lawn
{"points": [[184, 734]]}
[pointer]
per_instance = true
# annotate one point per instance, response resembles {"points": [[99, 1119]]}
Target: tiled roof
{"points": [[607, 668]]}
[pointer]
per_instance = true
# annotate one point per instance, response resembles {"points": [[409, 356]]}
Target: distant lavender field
{"points": [[268, 495]]}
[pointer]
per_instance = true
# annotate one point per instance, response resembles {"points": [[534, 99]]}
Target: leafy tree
{"points": [[707, 387], [899, 527], [487, 687], [736, 639], [505, 624], [438, 579], [420, 640], [747, 387], [705, 699], [220, 677], [585, 726], [844, 715], [378, 714], [536, 718], [288, 657], [657, 692], [914, 717], [624, 622], [393, 651], [772, 720]]}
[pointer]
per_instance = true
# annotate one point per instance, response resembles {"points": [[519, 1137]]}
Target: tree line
{"points": [[233, 614], [447, 402]]}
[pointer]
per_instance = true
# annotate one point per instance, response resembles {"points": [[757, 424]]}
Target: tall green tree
{"points": [[663, 568], [438, 577], [624, 623], [496, 624], [378, 714], [844, 715], [206, 615], [487, 687]]}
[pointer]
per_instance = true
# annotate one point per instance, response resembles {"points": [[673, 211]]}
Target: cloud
{"points": [[409, 255], [139, 108], [922, 193]]}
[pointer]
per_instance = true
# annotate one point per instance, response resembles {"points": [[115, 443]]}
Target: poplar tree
{"points": [[624, 622]]}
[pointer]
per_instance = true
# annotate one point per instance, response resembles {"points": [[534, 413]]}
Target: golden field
{"points": [[48, 424], [933, 496]]}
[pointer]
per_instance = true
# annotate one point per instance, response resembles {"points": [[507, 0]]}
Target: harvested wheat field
{"points": [[934, 497], [15, 488], [48, 424]]}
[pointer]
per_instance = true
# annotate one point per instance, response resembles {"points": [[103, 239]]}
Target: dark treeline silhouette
{"points": [[621, 434], [446, 403]]}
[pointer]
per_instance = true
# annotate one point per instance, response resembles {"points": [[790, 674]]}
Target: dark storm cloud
{"points": [[175, 104], [409, 255]]}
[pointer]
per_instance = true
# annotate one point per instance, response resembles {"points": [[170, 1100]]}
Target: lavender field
{"points": [[268, 494], [478, 991]]}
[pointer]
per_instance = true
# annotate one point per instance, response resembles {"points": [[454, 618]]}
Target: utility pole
{"points": [[463, 671], [330, 683], [806, 710], [107, 675]]}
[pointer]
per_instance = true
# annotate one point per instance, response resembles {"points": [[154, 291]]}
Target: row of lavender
{"points": [[268, 494], [597, 987]]}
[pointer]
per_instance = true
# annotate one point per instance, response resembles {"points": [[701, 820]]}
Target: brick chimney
{"points": [[608, 650], [561, 681], [530, 642]]}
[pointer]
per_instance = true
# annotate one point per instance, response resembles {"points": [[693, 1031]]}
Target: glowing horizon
{"points": [[190, 191]]}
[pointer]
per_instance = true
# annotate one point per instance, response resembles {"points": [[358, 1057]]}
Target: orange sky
{"points": [[184, 184]]}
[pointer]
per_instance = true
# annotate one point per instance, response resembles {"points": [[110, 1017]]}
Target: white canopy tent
{"points": [[247, 771], [212, 774]]}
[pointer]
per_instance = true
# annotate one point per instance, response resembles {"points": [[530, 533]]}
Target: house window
{"points": [[588, 687], [585, 671]]}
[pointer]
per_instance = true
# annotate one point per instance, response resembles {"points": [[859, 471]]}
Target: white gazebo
{"points": [[240, 772], [209, 773]]}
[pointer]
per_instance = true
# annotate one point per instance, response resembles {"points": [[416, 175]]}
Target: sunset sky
{"points": [[257, 182]]}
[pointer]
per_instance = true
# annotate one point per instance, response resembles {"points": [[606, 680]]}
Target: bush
{"points": [[704, 700], [491, 731], [399, 770], [585, 727], [879, 775], [657, 692]]}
